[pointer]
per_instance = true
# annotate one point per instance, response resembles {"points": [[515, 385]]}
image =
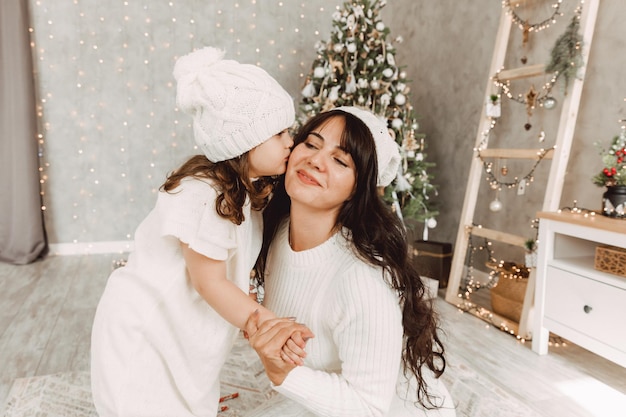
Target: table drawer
{"points": [[589, 307]]}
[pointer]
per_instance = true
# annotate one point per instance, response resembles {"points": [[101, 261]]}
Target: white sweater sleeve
{"points": [[366, 324]]}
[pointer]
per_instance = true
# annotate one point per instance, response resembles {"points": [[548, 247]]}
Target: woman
{"points": [[338, 262]]}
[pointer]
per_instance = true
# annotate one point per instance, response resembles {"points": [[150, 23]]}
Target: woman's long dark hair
{"points": [[232, 180], [379, 238]]}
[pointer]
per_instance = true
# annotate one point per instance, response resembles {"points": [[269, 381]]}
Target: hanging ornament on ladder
{"points": [[526, 27], [530, 101], [496, 205]]}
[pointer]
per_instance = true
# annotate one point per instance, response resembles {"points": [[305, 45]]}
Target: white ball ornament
{"points": [[402, 75], [431, 223], [396, 123], [351, 48], [400, 99], [495, 205], [387, 72], [380, 26], [338, 47], [549, 103], [319, 72], [375, 84]]}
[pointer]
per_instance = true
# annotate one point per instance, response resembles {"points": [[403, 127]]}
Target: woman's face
{"points": [[320, 174]]}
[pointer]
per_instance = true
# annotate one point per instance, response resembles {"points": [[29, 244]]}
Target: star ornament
{"points": [[530, 99]]}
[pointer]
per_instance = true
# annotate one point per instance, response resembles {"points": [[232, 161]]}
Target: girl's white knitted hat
{"points": [[235, 107], [387, 152]]}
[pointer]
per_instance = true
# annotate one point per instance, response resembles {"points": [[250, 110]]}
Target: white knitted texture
{"points": [[387, 152], [353, 361], [235, 107]]}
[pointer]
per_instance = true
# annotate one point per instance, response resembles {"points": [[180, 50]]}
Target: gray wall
{"points": [[107, 97]]}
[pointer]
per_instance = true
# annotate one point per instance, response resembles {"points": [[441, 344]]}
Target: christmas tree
{"points": [[357, 67]]}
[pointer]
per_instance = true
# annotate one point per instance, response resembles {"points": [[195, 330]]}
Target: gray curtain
{"points": [[22, 233]]}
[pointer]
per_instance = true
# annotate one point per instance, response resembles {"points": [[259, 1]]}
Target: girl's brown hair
{"points": [[232, 181]]}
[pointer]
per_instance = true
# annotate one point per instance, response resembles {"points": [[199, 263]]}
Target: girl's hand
{"points": [[293, 349], [268, 340]]}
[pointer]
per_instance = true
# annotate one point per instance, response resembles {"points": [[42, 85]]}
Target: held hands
{"points": [[280, 344]]}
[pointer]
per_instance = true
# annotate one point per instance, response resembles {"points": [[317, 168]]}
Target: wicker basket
{"points": [[611, 259], [507, 296]]}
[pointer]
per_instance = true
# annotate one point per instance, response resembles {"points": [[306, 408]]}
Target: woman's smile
{"points": [[306, 178]]}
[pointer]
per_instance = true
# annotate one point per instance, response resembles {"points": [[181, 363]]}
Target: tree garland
{"points": [[566, 55]]}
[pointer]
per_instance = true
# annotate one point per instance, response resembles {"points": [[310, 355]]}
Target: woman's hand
{"points": [[277, 342]]}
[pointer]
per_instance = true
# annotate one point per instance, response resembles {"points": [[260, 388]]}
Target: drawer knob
{"points": [[587, 309]]}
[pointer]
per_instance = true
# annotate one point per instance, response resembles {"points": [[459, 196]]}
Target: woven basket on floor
{"points": [[507, 296]]}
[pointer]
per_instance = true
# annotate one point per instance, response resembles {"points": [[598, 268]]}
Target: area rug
{"points": [[244, 386]]}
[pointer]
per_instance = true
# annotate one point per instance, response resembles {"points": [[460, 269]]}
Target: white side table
{"points": [[572, 298]]}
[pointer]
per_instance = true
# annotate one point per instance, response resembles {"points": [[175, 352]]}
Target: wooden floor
{"points": [[46, 310]]}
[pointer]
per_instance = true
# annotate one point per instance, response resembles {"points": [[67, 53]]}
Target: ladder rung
{"points": [[522, 72], [504, 153], [498, 236]]}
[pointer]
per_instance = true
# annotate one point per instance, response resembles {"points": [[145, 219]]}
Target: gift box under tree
{"points": [[433, 259]]}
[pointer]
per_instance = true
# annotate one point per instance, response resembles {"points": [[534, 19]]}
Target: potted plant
{"points": [[613, 177], [493, 105], [530, 257]]}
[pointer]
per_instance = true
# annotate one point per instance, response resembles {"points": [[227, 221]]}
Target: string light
{"points": [[108, 127], [527, 179], [524, 25]]}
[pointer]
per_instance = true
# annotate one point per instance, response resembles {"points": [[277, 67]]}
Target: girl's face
{"points": [[270, 157], [320, 173]]}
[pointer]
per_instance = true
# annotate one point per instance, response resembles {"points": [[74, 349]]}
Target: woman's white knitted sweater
{"points": [[352, 364]]}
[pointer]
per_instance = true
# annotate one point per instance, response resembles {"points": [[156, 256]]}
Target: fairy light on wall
{"points": [[109, 130]]}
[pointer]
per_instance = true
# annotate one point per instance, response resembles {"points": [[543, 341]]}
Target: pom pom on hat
{"points": [[235, 107], [387, 152]]}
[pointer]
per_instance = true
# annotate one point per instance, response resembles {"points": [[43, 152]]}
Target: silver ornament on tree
{"points": [[430, 223]]}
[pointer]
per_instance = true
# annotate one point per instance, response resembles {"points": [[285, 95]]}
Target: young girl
{"points": [[168, 318]]}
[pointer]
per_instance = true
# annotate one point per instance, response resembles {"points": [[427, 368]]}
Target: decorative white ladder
{"points": [[559, 156]]}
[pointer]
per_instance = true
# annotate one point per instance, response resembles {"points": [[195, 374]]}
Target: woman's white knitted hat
{"points": [[235, 107], [387, 152]]}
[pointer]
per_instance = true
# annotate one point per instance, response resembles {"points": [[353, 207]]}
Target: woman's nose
{"points": [[317, 161]]}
